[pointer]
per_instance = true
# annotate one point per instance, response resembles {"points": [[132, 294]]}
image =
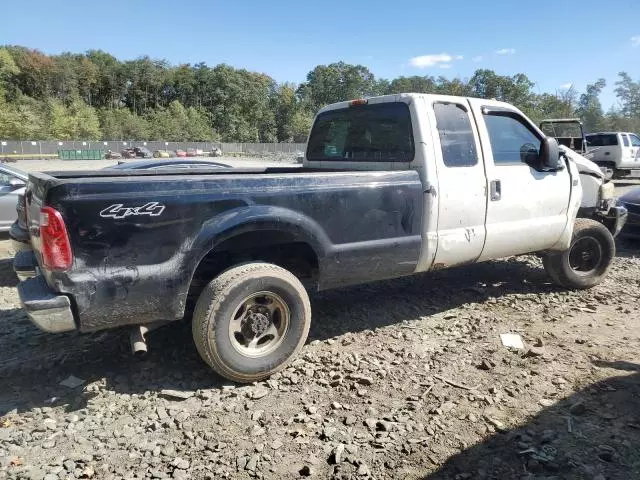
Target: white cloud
{"points": [[442, 60], [566, 86], [506, 51], [478, 58], [635, 41]]}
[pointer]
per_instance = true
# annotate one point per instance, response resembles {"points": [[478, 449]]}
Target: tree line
{"points": [[95, 96]]}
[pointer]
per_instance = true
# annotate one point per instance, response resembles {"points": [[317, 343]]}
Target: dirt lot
{"points": [[400, 379]]}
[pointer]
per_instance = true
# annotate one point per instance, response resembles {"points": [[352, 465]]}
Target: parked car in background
{"points": [[216, 152], [111, 155], [181, 153], [162, 154], [12, 184], [619, 151], [631, 201], [128, 153], [195, 152]]}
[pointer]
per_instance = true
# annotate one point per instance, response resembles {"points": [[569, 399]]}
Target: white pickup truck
{"points": [[390, 186], [617, 151]]}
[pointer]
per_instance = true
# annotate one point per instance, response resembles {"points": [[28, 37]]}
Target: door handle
{"points": [[496, 190]]}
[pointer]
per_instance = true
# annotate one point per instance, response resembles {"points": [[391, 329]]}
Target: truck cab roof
{"points": [[406, 98]]}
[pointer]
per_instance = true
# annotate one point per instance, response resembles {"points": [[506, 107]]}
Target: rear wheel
{"points": [[586, 262], [251, 320]]}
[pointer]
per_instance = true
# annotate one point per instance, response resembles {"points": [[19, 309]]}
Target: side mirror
{"points": [[550, 154], [16, 183]]}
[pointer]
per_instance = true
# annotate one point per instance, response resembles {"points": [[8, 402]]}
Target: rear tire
{"points": [[250, 321], [587, 261]]}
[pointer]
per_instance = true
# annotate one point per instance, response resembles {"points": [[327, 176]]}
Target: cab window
{"points": [[512, 141], [456, 137]]}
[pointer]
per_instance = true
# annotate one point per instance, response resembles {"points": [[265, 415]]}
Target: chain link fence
{"points": [[42, 149]]}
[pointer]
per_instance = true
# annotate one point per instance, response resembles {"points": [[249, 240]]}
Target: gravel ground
{"points": [[400, 379]]}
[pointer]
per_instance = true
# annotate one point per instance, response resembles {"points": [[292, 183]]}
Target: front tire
{"points": [[250, 321], [587, 261]]}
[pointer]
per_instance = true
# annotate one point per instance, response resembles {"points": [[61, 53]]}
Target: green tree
{"points": [[589, 106], [335, 83]]}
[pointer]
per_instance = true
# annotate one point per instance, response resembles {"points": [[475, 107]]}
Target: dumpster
{"points": [[81, 154]]}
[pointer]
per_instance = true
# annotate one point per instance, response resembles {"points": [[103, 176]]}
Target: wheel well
{"points": [[272, 246]]}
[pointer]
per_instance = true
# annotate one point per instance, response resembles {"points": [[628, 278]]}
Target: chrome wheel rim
{"points": [[259, 324]]}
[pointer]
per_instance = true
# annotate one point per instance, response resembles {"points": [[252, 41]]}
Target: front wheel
{"points": [[251, 320], [587, 261]]}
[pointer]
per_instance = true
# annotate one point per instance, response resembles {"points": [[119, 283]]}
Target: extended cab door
{"points": [[635, 149], [461, 191], [527, 210]]}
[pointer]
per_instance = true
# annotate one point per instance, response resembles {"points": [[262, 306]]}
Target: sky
{"points": [[555, 43]]}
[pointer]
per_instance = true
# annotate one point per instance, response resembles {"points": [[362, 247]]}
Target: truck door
{"points": [[527, 210], [627, 155], [635, 149], [461, 192]]}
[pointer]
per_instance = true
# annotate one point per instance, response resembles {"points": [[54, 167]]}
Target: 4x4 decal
{"points": [[118, 210]]}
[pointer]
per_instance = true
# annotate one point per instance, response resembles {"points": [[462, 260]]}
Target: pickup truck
{"points": [[617, 151], [390, 186]]}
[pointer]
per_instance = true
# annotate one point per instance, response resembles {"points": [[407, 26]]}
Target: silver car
{"points": [[12, 185]]}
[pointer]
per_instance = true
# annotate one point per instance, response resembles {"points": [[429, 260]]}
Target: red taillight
{"points": [[55, 245], [359, 101]]}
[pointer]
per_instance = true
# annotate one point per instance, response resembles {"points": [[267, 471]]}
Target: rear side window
{"points": [[512, 141], [625, 140], [366, 133], [602, 140], [456, 137], [635, 140]]}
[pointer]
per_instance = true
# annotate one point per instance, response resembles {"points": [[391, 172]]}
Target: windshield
{"points": [[378, 132], [602, 140], [561, 129]]}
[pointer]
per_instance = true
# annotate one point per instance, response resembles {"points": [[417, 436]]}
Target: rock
{"points": [[578, 408], [363, 470], [311, 409], [71, 382], [546, 402], [180, 475], [535, 352], [496, 423], [162, 414], [371, 423], [350, 420], [51, 476], [486, 364], [69, 465], [257, 415], [180, 463], [253, 462], [337, 455], [277, 444], [35, 474], [176, 394], [328, 433], [336, 406], [306, 471], [87, 472], [361, 379], [259, 393]]}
